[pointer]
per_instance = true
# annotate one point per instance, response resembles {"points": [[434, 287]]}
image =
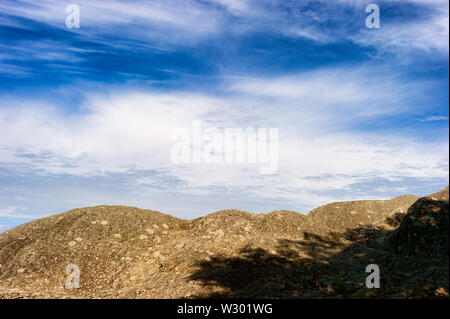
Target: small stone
{"points": [[180, 245], [441, 292], [104, 222], [126, 258], [72, 243]]}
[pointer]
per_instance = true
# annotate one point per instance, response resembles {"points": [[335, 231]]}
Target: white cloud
{"points": [[235, 6], [333, 94], [435, 118], [125, 130], [429, 32], [168, 25], [135, 22], [315, 114], [14, 212]]}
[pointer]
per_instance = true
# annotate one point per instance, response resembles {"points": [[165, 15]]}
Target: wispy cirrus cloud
{"points": [[86, 114], [15, 212], [173, 25], [435, 118], [321, 151]]}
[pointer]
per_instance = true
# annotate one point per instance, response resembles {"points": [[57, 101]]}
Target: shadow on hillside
{"points": [[314, 267]]}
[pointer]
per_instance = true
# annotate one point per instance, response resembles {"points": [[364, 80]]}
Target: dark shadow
{"points": [[395, 220], [331, 266]]}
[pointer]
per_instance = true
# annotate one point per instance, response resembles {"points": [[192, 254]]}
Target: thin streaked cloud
{"points": [[86, 114], [435, 118]]}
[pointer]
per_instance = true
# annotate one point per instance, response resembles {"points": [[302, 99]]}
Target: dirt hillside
{"points": [[126, 252], [343, 215]]}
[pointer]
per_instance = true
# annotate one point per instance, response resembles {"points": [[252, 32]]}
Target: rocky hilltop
{"points": [[126, 252]]}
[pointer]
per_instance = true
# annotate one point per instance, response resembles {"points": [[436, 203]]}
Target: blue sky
{"points": [[86, 113]]}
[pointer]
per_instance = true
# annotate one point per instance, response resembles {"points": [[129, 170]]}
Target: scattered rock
{"points": [[234, 254], [423, 231]]}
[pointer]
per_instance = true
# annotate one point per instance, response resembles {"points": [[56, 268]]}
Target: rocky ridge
{"points": [[126, 252]]}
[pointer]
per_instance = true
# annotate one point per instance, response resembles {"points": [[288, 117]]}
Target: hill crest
{"points": [[129, 252]]}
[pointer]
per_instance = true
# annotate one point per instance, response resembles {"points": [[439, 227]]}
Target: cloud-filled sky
{"points": [[86, 113]]}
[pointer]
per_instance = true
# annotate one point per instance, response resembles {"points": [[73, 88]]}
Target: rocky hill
{"points": [[126, 252]]}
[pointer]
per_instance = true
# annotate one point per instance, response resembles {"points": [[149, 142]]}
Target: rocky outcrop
{"points": [[423, 231], [126, 252]]}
